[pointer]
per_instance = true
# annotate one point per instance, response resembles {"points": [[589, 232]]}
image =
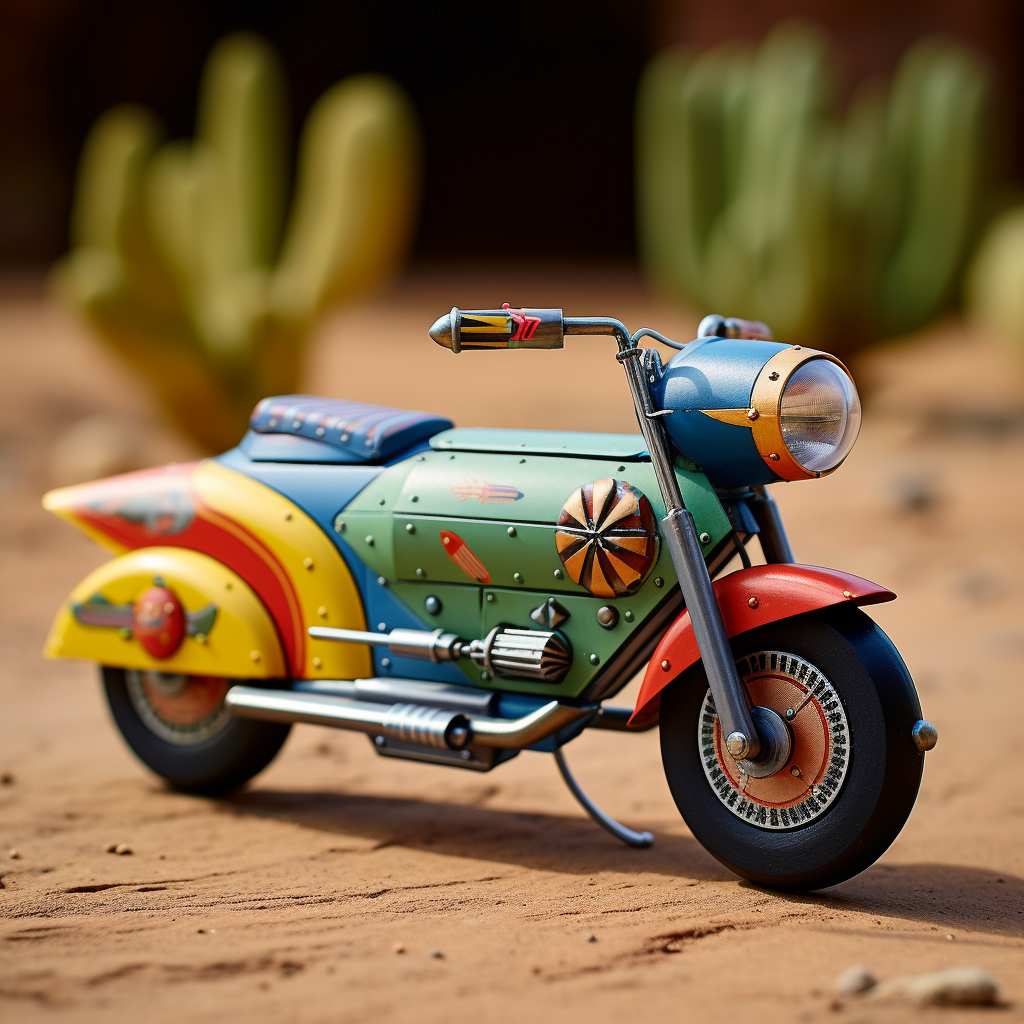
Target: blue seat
{"points": [[305, 428]]}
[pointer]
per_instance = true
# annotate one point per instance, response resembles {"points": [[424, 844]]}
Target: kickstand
{"points": [[609, 824]]}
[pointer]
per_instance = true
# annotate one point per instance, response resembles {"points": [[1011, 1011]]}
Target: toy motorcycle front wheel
{"points": [[178, 727], [834, 697]]}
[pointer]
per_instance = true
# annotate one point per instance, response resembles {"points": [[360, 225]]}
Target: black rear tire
{"points": [[222, 757], [862, 814]]}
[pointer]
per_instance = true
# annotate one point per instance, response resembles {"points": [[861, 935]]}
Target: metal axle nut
{"points": [[737, 744]]}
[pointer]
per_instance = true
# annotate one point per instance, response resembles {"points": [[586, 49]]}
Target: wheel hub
{"points": [[776, 744]]}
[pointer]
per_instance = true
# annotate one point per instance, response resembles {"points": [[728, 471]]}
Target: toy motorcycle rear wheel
{"points": [[845, 776], [178, 727]]}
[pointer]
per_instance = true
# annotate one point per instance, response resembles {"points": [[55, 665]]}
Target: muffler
{"points": [[413, 724]]}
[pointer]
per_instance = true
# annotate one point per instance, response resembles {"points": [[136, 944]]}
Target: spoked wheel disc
{"points": [[181, 709], [804, 784]]}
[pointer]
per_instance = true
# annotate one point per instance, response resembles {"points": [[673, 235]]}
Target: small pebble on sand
{"points": [[14, 854], [855, 980], [398, 948], [591, 938], [123, 849], [7, 779], [956, 986], [436, 954]]}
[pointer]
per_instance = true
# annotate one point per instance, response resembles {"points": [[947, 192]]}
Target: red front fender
{"points": [[750, 598]]}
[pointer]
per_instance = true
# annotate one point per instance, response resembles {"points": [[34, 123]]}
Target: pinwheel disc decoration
{"points": [[607, 538]]}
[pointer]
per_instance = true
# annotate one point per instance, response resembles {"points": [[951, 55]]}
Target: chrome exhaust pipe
{"points": [[406, 723]]}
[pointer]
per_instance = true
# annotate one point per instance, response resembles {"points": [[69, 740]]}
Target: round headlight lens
{"points": [[820, 415]]}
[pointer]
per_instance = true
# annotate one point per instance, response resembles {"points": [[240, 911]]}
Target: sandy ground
{"points": [[323, 891]]}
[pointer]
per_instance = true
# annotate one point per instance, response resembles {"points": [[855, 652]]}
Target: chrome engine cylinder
{"points": [[524, 654]]}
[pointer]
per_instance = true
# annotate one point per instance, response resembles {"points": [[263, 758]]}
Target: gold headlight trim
{"points": [[763, 418]]}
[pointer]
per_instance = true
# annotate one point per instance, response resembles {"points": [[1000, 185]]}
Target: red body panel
{"points": [[750, 598]]}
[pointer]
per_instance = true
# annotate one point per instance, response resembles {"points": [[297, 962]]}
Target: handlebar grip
{"points": [[465, 330]]}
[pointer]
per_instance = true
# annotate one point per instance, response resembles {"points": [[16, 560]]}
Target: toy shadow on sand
{"points": [[950, 897]]}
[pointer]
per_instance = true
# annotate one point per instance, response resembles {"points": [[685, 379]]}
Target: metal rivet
{"points": [[296, 424], [490, 597], [628, 616], [382, 627], [925, 735], [485, 675], [200, 638], [752, 602], [320, 431], [344, 437], [658, 581], [273, 423], [794, 771], [558, 574], [379, 741], [652, 378], [607, 616], [790, 714], [521, 461], [254, 655], [595, 660], [317, 663], [666, 665], [322, 612], [774, 375], [410, 527], [382, 581], [517, 577], [752, 414], [705, 538], [369, 442], [421, 573], [433, 605], [466, 755], [339, 525], [380, 501], [307, 563], [511, 531], [287, 516], [385, 663], [773, 457], [796, 348], [846, 593], [415, 497], [620, 469], [369, 539]]}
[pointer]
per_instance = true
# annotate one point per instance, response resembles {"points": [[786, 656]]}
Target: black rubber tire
{"points": [[218, 765], [883, 775]]}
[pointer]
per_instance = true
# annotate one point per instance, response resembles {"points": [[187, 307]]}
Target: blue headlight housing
{"points": [[751, 411]]}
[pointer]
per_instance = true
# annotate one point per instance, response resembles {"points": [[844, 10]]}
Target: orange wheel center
{"points": [[811, 779]]}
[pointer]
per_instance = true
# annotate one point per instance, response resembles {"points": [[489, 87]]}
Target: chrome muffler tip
{"points": [[925, 735]]}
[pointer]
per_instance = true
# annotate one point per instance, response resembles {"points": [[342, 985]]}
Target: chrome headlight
{"points": [[819, 415]]}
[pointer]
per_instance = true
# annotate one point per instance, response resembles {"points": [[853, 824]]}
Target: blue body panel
{"points": [[322, 490], [706, 376]]}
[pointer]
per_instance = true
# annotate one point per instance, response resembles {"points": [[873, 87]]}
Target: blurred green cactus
{"points": [[995, 281], [754, 200], [185, 259]]}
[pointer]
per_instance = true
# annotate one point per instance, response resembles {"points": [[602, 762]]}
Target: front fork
{"points": [[680, 532]]}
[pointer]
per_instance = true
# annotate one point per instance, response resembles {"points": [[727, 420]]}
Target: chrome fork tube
{"points": [[684, 548]]}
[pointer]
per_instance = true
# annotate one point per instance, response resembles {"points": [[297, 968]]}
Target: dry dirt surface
{"points": [[340, 886]]}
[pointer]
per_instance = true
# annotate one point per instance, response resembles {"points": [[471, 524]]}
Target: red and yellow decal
{"points": [[267, 540]]}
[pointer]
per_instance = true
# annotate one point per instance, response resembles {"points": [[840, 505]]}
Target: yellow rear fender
{"points": [[170, 610]]}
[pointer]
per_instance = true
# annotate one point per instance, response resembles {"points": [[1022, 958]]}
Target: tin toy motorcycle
{"points": [[461, 595]]}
